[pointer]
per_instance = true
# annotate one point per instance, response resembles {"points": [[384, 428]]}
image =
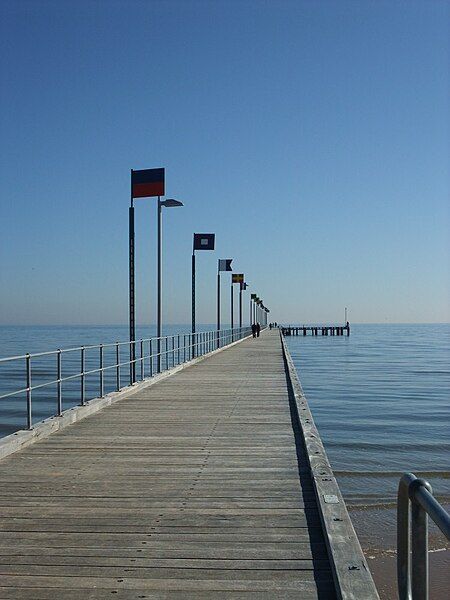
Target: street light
{"points": [[169, 203]]}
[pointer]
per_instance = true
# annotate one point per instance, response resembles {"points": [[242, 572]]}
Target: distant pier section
{"points": [[315, 329]]}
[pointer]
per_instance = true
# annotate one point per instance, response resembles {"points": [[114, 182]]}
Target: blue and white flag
{"points": [[225, 264]]}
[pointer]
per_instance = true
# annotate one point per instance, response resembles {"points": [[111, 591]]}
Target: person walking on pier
{"points": [[254, 329], [258, 329]]}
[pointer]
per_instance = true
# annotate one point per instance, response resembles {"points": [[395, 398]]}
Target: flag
{"points": [[225, 264], [237, 278], [244, 285], [149, 182], [253, 296], [204, 241]]}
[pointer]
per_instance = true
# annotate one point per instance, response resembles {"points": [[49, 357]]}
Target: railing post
{"points": [[59, 385], [82, 383], [403, 539], [117, 366], [412, 567], [101, 371], [29, 414], [179, 349], [142, 359], [419, 537], [419, 558]]}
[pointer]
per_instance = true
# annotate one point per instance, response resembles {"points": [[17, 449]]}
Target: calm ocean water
{"points": [[380, 399]]}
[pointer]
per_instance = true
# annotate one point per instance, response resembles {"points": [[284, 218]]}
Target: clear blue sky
{"points": [[312, 137]]}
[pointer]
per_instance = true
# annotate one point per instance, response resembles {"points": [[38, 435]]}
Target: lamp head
{"points": [[171, 202]]}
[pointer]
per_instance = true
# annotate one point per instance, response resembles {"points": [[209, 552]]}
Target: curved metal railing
{"points": [[415, 503]]}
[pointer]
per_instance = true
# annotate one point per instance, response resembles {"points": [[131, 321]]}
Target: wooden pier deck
{"points": [[200, 486]]}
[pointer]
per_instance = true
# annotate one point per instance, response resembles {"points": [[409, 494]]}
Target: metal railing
{"points": [[415, 502], [147, 358]]}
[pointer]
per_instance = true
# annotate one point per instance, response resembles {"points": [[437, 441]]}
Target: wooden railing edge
{"points": [[351, 573]]}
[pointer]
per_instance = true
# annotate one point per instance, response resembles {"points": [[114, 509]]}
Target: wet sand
{"points": [[376, 529], [384, 572]]}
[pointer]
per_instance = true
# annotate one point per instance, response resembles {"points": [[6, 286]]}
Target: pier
{"points": [[315, 329], [209, 482]]}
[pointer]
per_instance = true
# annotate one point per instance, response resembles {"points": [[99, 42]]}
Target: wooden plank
{"points": [[191, 488]]}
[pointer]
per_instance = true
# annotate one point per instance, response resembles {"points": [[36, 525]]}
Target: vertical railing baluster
{"points": [[82, 390], [117, 366], [419, 552], [179, 349], [101, 371], [29, 414], [167, 353], [59, 384], [142, 360]]}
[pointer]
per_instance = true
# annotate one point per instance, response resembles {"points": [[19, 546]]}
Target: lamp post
{"points": [[202, 241], [169, 203]]}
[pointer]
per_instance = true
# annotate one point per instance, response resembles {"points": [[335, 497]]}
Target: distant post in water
{"points": [[224, 264], [202, 241]]}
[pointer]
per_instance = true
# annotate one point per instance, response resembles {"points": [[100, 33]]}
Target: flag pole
{"points": [[232, 307], [218, 304], [131, 286], [240, 305], [193, 303], [159, 293]]}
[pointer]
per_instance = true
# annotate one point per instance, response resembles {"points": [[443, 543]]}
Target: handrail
{"points": [[415, 502], [160, 353]]}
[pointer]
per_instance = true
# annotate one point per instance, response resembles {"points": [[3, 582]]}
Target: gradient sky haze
{"points": [[311, 136]]}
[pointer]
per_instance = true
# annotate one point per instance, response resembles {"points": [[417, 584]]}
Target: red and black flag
{"points": [[237, 278], [146, 183], [204, 241], [225, 264]]}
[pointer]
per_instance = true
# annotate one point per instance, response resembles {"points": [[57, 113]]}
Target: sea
{"points": [[380, 399]]}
